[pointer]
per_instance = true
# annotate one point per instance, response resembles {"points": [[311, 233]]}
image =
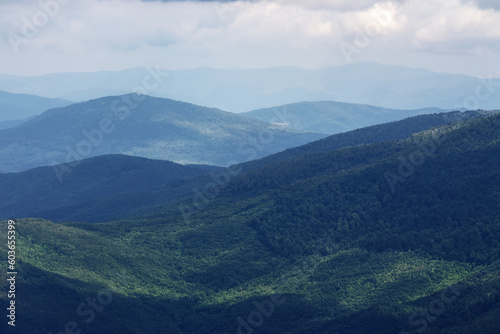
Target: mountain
{"points": [[142, 126], [95, 179], [241, 90], [395, 237], [20, 106], [11, 124], [331, 117], [369, 135], [23, 191]]}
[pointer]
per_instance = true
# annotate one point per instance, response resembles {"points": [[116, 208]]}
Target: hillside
{"points": [[11, 124], [112, 205], [142, 126], [28, 193], [332, 117], [352, 241], [242, 90], [16, 107], [372, 134]]}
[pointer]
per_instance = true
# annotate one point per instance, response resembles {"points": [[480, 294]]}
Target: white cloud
{"points": [[114, 34], [454, 28]]}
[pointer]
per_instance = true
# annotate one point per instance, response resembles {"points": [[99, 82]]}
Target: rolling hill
{"points": [[23, 192], [142, 126], [11, 124], [332, 117], [96, 179], [395, 237], [17, 107], [372, 134]]}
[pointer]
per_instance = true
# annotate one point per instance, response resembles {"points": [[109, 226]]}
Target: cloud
{"points": [[453, 28], [115, 34], [485, 4]]}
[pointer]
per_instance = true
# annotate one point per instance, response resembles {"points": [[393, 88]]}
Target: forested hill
{"points": [[371, 134], [437, 179], [330, 117], [88, 193], [141, 126], [16, 107], [43, 191], [394, 237]]}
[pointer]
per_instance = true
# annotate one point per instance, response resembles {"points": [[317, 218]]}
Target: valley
{"points": [[249, 167], [312, 239]]}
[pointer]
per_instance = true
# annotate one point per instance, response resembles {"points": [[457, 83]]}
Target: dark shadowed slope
{"points": [[134, 200], [93, 179]]}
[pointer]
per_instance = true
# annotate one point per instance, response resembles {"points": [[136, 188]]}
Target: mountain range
{"points": [[160, 216], [111, 187], [398, 236], [142, 126], [330, 117], [16, 107], [239, 90], [369, 135]]}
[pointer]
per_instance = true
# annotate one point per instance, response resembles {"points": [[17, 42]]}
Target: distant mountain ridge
{"points": [[142, 126], [11, 124], [16, 107], [331, 117], [241, 90]]}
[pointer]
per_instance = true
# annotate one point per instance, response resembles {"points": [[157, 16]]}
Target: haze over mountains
{"points": [[407, 210], [250, 167], [115, 186], [142, 126], [16, 107], [332, 117], [245, 90]]}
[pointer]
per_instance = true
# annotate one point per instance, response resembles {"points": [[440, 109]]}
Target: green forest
{"points": [[394, 235]]}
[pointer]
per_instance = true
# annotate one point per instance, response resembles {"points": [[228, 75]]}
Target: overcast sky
{"points": [[453, 36]]}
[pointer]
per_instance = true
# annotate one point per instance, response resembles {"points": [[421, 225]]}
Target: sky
{"points": [[50, 36]]}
